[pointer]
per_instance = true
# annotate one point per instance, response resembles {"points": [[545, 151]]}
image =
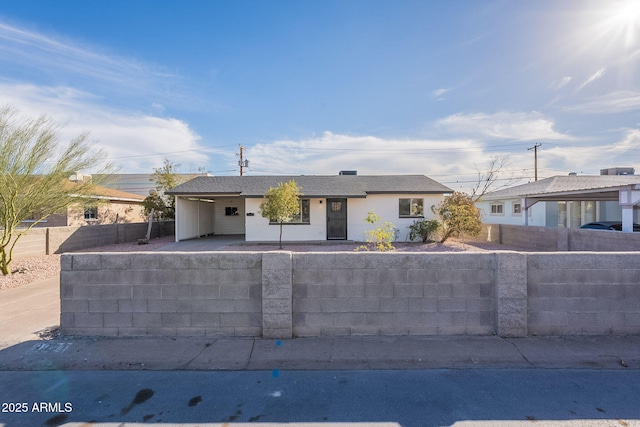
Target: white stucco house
{"points": [[566, 201], [332, 207]]}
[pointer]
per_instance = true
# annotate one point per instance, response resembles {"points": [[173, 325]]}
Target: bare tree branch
{"points": [[487, 179]]}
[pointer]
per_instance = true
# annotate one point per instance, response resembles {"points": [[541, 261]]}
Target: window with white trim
{"points": [[497, 208], [408, 208]]}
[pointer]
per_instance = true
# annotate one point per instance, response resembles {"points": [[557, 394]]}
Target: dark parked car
{"points": [[608, 225]]}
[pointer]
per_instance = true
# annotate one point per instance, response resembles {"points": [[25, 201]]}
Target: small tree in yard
{"points": [[34, 175], [154, 203], [459, 215], [281, 204], [165, 179], [379, 238], [423, 229]]}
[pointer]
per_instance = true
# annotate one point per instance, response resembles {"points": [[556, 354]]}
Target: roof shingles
{"points": [[563, 184], [312, 185]]}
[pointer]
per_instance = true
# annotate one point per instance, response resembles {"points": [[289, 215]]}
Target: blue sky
{"points": [[314, 87]]}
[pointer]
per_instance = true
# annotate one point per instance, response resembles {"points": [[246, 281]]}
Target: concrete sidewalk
{"points": [[27, 311], [208, 353]]}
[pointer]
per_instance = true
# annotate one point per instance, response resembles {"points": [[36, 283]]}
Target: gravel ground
{"points": [[32, 269], [448, 246]]}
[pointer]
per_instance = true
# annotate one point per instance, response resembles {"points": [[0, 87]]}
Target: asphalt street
{"points": [[466, 397]]}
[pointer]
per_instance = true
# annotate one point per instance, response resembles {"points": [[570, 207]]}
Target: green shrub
{"points": [[423, 229]]}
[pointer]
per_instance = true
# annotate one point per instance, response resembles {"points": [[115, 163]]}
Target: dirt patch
{"points": [[33, 269]]}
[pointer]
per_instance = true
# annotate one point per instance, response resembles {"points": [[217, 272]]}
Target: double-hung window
{"points": [[302, 217], [497, 208], [408, 208]]}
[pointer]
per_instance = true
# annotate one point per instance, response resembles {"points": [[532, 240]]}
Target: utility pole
{"points": [[242, 162], [535, 156]]}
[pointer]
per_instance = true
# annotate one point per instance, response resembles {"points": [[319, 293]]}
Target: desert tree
{"points": [[165, 178], [281, 204], [458, 216], [34, 175]]}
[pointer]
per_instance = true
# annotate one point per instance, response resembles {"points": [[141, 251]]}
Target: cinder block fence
{"points": [[283, 294]]}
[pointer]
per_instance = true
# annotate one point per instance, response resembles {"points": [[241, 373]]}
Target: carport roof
{"points": [[312, 185], [567, 187]]}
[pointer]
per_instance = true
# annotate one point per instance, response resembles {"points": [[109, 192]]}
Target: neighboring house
{"points": [[332, 207], [566, 201], [136, 183], [107, 206]]}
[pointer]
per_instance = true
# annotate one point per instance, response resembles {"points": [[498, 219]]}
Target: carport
{"points": [[206, 215], [628, 196]]}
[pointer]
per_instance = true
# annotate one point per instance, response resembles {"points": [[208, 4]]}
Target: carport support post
{"points": [[277, 295], [627, 218]]}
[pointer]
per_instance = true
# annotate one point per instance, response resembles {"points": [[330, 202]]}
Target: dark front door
{"points": [[336, 219]]}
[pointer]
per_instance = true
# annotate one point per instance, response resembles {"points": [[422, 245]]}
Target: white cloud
{"points": [[437, 94], [561, 83], [450, 161], [595, 76], [50, 59], [502, 125], [135, 141], [612, 103]]}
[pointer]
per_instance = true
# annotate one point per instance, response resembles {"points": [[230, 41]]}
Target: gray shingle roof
{"points": [[312, 185], [564, 184]]}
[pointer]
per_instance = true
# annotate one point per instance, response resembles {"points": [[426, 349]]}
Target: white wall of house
{"points": [[194, 218], [258, 228], [555, 214], [387, 207], [226, 222], [509, 215]]}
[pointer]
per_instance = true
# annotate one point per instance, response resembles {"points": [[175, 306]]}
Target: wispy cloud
{"points": [[135, 141], [592, 78], [557, 85], [612, 103], [437, 94], [502, 125], [84, 87], [49, 60]]}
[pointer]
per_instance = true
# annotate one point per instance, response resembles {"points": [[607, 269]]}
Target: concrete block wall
{"points": [[364, 293], [56, 240], [535, 238], [283, 294], [33, 243], [162, 294], [530, 237], [586, 293]]}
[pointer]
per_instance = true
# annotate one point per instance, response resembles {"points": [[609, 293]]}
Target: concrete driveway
{"points": [[26, 312], [208, 243]]}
